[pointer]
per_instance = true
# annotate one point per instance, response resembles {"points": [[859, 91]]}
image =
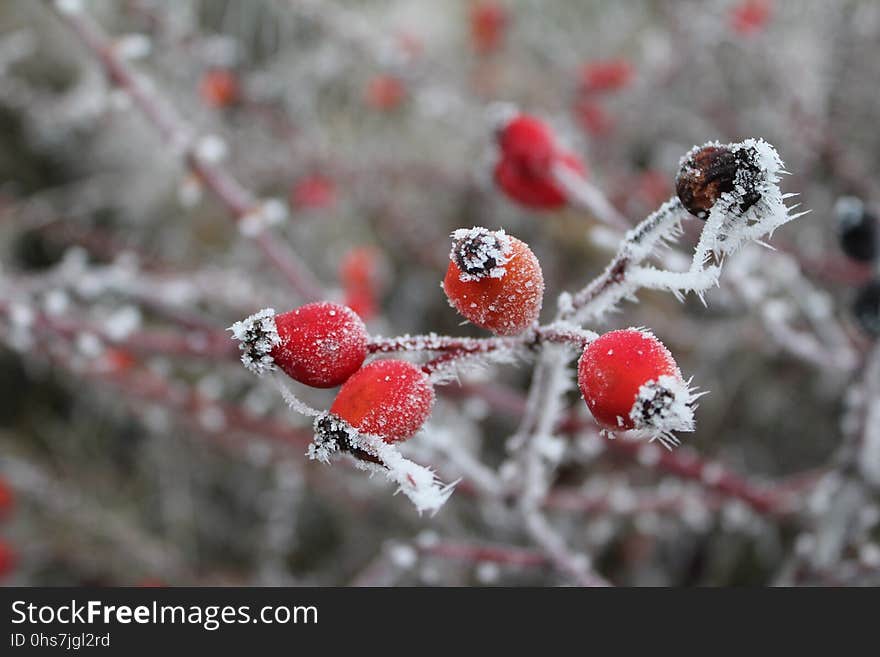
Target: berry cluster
{"points": [[629, 380], [858, 231]]}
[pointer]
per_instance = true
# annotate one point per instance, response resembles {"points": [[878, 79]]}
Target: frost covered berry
{"points": [[708, 172], [528, 155], [866, 308], [494, 280], [629, 380], [857, 229], [387, 398], [320, 344]]}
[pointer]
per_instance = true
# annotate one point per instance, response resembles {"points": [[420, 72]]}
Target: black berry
{"points": [[857, 229], [866, 308]]}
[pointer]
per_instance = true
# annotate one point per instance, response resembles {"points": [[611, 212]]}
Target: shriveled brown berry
{"points": [[710, 172]]}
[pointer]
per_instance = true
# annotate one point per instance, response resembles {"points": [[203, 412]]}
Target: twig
{"points": [[239, 201]]}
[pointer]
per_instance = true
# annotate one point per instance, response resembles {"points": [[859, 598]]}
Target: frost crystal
{"points": [[754, 208], [418, 483], [479, 253], [257, 335], [663, 406]]}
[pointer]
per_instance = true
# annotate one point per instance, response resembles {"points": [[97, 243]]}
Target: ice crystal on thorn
{"points": [[333, 436], [257, 336]]}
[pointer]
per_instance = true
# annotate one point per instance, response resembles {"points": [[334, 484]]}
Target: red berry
{"points": [[606, 75], [362, 301], [360, 267], [488, 23], [387, 398], [494, 280], [313, 192], [320, 344], [528, 155], [750, 16], [630, 381], [384, 92], [117, 360], [7, 558], [219, 88], [359, 273], [593, 118], [7, 498]]}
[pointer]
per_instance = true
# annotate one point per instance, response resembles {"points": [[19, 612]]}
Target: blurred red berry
{"points": [[629, 380], [385, 93], [115, 359], [387, 398], [360, 267], [314, 192], [528, 154], [219, 88], [359, 273], [363, 302], [750, 16], [494, 280], [593, 118], [606, 75], [7, 498], [8, 559], [489, 21]]}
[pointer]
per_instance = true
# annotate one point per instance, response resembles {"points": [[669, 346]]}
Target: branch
{"points": [[252, 214]]}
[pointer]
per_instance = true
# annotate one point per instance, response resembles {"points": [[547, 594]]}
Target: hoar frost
{"points": [[257, 336], [479, 253]]}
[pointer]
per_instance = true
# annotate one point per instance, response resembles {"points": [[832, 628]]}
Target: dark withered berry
{"points": [[711, 171], [857, 229], [866, 308]]}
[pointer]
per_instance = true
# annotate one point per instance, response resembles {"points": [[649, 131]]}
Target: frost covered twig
{"points": [[418, 483]]}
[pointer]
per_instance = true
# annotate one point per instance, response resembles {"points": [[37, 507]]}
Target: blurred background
{"points": [[135, 449]]}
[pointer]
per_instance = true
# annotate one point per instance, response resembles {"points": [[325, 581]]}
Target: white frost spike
{"points": [[727, 227], [417, 482], [294, 402], [257, 335], [663, 406], [479, 252]]}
